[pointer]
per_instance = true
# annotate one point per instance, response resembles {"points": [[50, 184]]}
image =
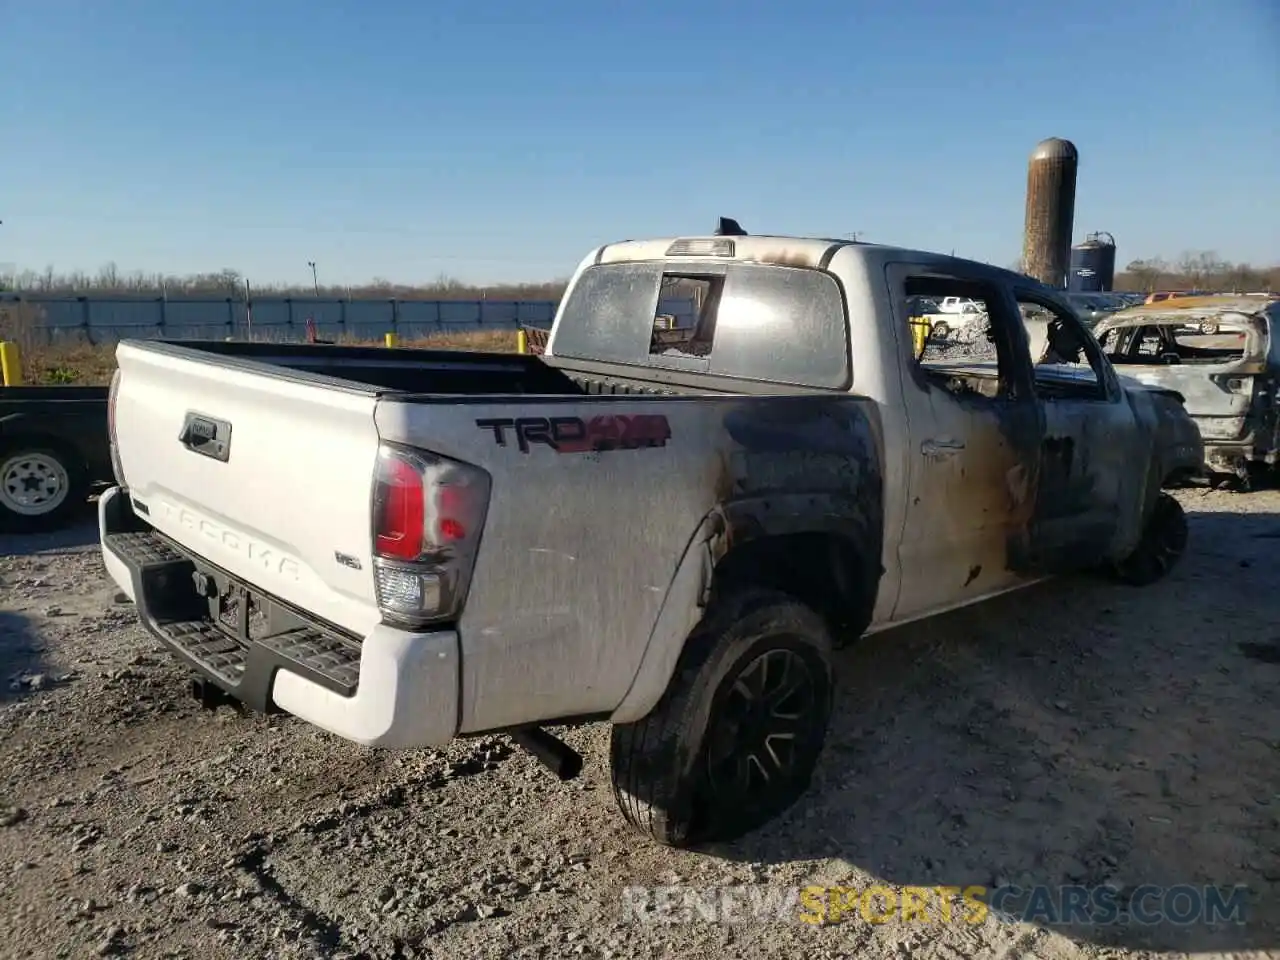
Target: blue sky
{"points": [[498, 140]]}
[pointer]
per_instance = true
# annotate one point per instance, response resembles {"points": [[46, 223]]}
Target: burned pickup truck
{"points": [[664, 526], [1222, 355]]}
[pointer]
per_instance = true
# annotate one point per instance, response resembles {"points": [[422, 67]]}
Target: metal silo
{"points": [[1093, 264], [1051, 202]]}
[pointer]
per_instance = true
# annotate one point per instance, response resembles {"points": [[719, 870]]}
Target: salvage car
{"points": [[1220, 353], [666, 532]]}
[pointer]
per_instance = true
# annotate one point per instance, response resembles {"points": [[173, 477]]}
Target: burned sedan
{"points": [[1228, 377]]}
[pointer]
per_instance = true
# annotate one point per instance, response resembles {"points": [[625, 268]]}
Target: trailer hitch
{"points": [[211, 697], [549, 750]]}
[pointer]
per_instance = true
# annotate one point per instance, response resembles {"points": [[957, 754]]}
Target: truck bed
{"points": [[264, 452], [379, 369], [440, 374]]}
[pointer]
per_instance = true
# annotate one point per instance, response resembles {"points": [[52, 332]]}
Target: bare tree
{"points": [[1146, 272], [1238, 277], [112, 282], [1201, 267], [1194, 269]]}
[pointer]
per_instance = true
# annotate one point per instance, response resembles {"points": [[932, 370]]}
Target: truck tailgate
{"points": [[279, 495]]}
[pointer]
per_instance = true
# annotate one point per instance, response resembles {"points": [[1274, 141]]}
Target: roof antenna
{"points": [[728, 227]]}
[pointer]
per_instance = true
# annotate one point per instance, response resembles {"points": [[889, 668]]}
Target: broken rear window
{"points": [[765, 322], [1207, 341]]}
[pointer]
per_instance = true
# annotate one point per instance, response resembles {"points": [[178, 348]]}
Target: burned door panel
{"points": [[1089, 474], [973, 483], [974, 454]]}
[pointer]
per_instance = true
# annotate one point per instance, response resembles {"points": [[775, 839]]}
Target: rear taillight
{"points": [[428, 512], [111, 404], [400, 510], [116, 468]]}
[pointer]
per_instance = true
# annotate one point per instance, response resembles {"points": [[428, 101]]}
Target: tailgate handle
{"points": [[942, 447], [206, 436]]}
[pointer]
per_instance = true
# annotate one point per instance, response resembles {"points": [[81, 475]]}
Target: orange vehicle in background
{"points": [[1172, 295]]}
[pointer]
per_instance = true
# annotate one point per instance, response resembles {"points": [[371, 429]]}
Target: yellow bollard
{"points": [[11, 363], [522, 341], [919, 334], [393, 340]]}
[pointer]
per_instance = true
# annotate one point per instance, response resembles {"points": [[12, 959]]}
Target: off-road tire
{"points": [[663, 778], [1163, 542], [74, 492], [940, 330]]}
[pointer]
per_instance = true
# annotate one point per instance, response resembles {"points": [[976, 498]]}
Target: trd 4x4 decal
{"points": [[575, 435]]}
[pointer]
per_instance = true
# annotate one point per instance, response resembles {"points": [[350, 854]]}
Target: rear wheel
{"points": [[1164, 540], [734, 740], [940, 330], [40, 485]]}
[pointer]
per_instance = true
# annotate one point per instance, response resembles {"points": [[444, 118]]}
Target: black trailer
{"points": [[54, 449]]}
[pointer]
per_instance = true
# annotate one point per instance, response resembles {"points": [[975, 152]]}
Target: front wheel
{"points": [[1163, 542], [736, 736], [40, 485], [940, 330]]}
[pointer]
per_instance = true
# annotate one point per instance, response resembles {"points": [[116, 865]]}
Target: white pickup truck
{"points": [[665, 529], [955, 314]]}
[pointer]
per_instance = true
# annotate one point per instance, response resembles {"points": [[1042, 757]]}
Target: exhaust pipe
{"points": [[552, 752]]}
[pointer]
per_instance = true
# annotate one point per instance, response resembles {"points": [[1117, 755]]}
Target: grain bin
{"points": [[1093, 264], [1051, 201]]}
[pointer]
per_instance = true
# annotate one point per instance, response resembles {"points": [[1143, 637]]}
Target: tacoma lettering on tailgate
{"points": [[267, 558], [575, 435]]}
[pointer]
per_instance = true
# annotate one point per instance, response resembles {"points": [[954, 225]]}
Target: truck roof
{"points": [[813, 252]]}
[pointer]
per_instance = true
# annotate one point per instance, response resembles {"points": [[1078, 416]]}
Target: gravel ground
{"points": [[1074, 732]]}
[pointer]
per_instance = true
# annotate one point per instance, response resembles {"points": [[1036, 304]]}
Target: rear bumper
{"points": [[1230, 443], [391, 688], [1230, 455], [1227, 457]]}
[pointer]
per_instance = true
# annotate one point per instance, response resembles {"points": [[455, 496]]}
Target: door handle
{"points": [[941, 448]]}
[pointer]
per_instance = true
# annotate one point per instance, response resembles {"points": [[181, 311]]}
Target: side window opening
{"points": [[1168, 343], [1064, 362], [955, 342]]}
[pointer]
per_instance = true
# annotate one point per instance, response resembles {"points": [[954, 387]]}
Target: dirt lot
{"points": [[1077, 732]]}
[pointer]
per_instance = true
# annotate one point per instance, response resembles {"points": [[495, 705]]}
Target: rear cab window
{"points": [[753, 321]]}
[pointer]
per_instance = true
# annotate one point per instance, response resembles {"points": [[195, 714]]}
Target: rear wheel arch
{"points": [[822, 548], [832, 568], [832, 572]]}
